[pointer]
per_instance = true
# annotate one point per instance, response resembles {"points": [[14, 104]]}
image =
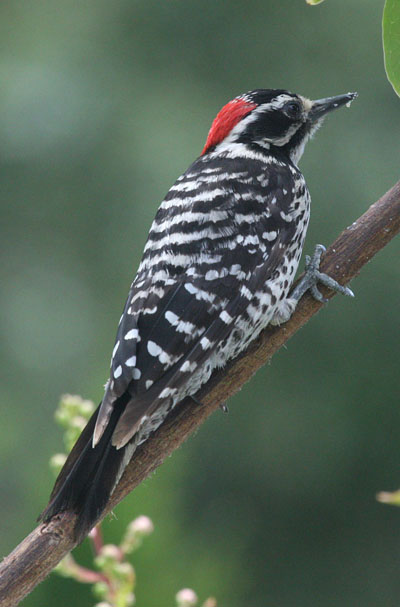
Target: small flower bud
{"points": [[78, 422], [136, 531], [130, 599], [108, 557], [62, 417], [86, 408], [142, 525], [125, 572], [72, 405], [100, 590], [111, 551], [385, 497], [186, 598]]}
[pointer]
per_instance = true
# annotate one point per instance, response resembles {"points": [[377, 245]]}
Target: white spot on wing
{"points": [[191, 288], [171, 317], [132, 334], [115, 349], [235, 269], [251, 240], [136, 374], [225, 317], [164, 358], [131, 362], [246, 292], [205, 343], [152, 310], [153, 349], [211, 275], [270, 235], [188, 366]]}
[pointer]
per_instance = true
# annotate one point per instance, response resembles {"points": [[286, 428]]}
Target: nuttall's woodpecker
{"points": [[217, 268]]}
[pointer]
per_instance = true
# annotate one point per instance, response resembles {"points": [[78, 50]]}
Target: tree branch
{"points": [[39, 553]]}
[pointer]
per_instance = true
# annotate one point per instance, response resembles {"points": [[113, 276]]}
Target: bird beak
{"points": [[320, 107]]}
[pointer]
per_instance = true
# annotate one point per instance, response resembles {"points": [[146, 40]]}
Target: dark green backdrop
{"points": [[102, 105]]}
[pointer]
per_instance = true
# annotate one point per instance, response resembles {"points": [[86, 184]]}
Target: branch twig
{"points": [[38, 553]]}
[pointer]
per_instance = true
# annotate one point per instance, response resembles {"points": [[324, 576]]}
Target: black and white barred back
{"points": [[217, 268]]}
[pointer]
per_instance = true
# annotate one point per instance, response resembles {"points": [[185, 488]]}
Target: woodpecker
{"points": [[217, 268]]}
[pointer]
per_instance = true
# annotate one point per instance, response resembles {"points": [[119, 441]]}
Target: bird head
{"points": [[271, 119]]}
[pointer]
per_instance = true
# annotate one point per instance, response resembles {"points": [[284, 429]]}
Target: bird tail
{"points": [[89, 475]]}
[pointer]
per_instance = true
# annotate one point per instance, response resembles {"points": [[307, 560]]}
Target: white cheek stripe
{"points": [[276, 104]]}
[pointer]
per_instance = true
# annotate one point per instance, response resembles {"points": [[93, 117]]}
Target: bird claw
{"points": [[313, 277], [316, 293]]}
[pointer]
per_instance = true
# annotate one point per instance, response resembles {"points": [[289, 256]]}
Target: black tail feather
{"points": [[88, 477]]}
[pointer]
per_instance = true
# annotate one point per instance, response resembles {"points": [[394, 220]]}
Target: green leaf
{"points": [[391, 42], [314, 2]]}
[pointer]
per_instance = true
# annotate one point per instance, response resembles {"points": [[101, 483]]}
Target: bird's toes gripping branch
{"points": [[313, 277]]}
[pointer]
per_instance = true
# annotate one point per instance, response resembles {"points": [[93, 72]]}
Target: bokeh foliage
{"points": [[103, 105], [391, 42]]}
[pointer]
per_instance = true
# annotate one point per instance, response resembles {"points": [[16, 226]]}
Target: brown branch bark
{"points": [[38, 553]]}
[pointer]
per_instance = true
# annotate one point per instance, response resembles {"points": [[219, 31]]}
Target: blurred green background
{"points": [[102, 105]]}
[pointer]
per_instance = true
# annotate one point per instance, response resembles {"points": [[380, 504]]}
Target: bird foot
{"points": [[313, 277]]}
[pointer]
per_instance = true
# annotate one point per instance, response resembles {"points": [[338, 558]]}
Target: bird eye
{"points": [[293, 109]]}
